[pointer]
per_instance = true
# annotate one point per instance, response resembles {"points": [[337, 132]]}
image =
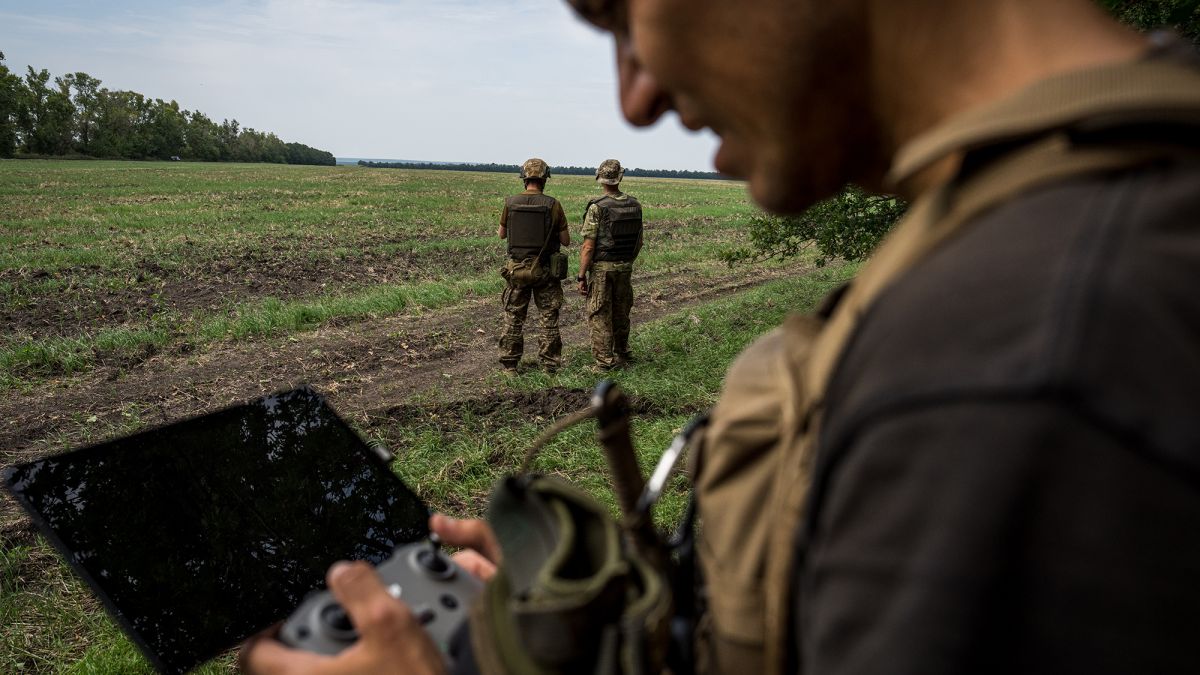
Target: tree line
{"points": [[74, 115], [561, 170]]}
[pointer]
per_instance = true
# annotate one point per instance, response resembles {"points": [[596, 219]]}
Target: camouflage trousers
{"points": [[610, 300], [548, 296]]}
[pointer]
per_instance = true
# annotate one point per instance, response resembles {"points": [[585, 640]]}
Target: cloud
{"points": [[459, 80]]}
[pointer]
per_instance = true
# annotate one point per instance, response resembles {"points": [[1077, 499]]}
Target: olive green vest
{"points": [[619, 229], [531, 226]]}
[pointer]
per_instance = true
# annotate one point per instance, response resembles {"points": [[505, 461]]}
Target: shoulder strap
{"points": [[1145, 91], [1132, 95], [587, 208]]}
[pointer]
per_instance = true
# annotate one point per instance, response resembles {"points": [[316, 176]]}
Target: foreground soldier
{"points": [[612, 239], [536, 227], [986, 456]]}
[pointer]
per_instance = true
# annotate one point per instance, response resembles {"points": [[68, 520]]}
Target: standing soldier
{"points": [[536, 227], [612, 238]]}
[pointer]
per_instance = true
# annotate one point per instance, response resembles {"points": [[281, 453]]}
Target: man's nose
{"points": [[643, 101]]}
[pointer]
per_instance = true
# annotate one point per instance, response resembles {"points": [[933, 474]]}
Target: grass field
{"points": [[133, 294], [110, 261]]}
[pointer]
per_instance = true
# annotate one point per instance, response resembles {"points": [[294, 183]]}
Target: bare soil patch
{"points": [[148, 288], [365, 368], [530, 406]]}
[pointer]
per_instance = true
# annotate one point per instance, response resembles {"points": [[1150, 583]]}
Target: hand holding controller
{"points": [[437, 590]]}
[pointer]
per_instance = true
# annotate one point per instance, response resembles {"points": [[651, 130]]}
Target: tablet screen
{"points": [[198, 534]]}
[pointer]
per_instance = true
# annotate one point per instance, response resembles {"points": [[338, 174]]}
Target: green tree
{"points": [[200, 138], [120, 120], [848, 226], [76, 114], [227, 139], [86, 99], [1182, 16], [298, 153], [46, 115], [164, 130], [11, 95]]}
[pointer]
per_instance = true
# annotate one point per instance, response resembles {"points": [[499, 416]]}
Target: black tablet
{"points": [[198, 534]]}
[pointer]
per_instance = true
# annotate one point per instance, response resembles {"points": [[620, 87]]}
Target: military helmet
{"points": [[535, 168], [610, 172]]}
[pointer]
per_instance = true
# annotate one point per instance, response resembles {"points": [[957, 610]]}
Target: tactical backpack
{"points": [[530, 235], [619, 230]]}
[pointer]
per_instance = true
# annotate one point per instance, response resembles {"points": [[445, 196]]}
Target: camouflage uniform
{"points": [[610, 289], [547, 293]]}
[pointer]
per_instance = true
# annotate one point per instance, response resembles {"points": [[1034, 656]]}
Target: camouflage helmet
{"points": [[610, 172], [535, 168]]}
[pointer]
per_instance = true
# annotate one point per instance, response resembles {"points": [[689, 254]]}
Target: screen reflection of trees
{"points": [[203, 532]]}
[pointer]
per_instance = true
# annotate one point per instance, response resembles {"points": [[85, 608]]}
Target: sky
{"points": [[435, 80]]}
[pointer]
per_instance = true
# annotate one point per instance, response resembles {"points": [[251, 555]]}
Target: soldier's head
{"points": [[775, 79], [610, 173], [808, 95], [535, 172]]}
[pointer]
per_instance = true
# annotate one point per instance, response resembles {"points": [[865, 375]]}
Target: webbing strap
{"points": [[1124, 95], [1146, 91]]}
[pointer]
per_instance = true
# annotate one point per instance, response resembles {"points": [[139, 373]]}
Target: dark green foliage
{"points": [[10, 100], [76, 116], [45, 115], [848, 226], [298, 153], [560, 170], [1182, 16]]}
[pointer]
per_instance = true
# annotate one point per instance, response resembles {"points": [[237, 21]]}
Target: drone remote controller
{"points": [[438, 591]]}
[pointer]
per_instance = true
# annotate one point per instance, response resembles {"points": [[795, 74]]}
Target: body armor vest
{"points": [[619, 230], [530, 226]]}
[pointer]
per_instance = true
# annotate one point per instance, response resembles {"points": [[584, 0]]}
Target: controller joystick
{"points": [[434, 562], [438, 591], [335, 619]]}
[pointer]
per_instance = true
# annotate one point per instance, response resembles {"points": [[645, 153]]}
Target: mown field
{"points": [[133, 294]]}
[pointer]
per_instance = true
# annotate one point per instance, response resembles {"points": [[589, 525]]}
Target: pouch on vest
{"points": [[529, 229], [578, 591], [558, 265], [525, 272]]}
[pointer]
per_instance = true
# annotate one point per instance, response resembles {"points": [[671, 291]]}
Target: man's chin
{"points": [[774, 192]]}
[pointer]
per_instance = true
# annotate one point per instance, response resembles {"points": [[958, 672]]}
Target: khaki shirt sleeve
{"points": [[560, 218], [591, 222], [504, 215]]}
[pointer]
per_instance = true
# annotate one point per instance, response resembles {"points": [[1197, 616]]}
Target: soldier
{"points": [[984, 455], [536, 227], [612, 239]]}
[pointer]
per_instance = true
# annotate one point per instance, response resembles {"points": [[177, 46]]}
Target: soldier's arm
{"points": [[591, 220], [585, 255], [638, 248], [502, 232], [560, 221]]}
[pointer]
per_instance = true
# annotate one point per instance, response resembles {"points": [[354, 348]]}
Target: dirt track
{"points": [[367, 369]]}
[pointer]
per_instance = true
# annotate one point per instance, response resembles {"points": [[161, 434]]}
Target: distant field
{"points": [[133, 294], [112, 261]]}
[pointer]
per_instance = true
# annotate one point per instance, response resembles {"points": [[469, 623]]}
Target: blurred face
{"points": [[775, 79]]}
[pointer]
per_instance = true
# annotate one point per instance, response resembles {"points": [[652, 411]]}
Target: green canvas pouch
{"points": [[558, 265], [578, 591]]}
